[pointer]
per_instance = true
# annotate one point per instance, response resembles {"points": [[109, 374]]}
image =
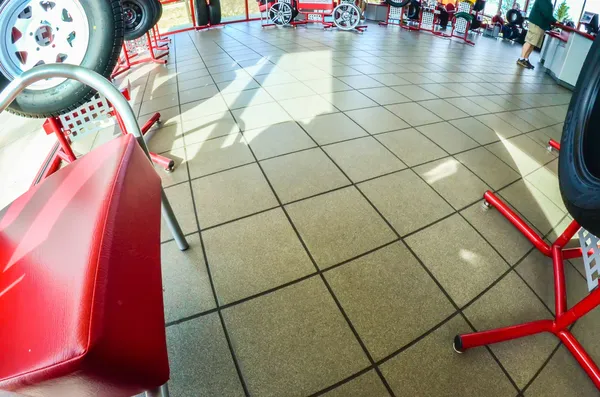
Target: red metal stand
{"points": [[397, 16], [154, 45], [315, 12], [464, 37], [564, 318], [62, 151]]}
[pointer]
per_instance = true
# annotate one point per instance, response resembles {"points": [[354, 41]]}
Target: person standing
{"points": [[540, 20]]}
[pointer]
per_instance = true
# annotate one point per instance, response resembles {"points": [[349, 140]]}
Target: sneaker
{"points": [[523, 63], [529, 65]]}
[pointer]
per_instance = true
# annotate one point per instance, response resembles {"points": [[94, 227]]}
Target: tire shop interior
{"points": [[339, 198]]}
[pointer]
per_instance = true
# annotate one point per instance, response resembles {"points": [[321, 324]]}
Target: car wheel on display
{"points": [[214, 12], [398, 3], [579, 163], [140, 16], [201, 12], [346, 16], [88, 33], [280, 13]]}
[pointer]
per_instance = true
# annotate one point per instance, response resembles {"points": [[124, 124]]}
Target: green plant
{"points": [[562, 12]]}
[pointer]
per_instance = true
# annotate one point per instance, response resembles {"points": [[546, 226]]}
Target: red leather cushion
{"points": [[81, 308]]}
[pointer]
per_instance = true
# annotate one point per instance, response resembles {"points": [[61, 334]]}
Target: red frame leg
{"points": [[564, 318]]}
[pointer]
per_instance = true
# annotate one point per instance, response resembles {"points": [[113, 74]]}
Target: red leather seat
{"points": [[81, 310]]}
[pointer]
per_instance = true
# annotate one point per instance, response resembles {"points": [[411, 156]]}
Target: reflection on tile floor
{"points": [[330, 185]]}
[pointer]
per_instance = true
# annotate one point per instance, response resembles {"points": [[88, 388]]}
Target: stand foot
{"points": [[457, 345]]}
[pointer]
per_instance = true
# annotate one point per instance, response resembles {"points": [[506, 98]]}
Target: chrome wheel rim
{"points": [[280, 13], [346, 16], [37, 32]]}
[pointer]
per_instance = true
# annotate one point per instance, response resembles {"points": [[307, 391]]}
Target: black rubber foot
{"points": [[458, 344]]}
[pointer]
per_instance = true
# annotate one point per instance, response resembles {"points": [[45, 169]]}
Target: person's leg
{"points": [[444, 16], [526, 51]]}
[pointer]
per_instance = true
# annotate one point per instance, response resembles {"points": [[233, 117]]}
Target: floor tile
{"points": [[160, 103], [163, 139], [201, 369], [180, 198], [533, 204], [293, 341], [415, 93], [168, 117], [338, 226], [196, 94], [448, 137], [546, 180], [377, 120], [277, 139], [247, 98], [405, 201], [498, 231], [289, 91], [330, 128], [537, 271], [443, 109], [326, 85], [488, 167], [258, 116], [217, 155], [204, 107], [384, 95], [238, 85], [500, 127], [476, 130], [521, 153], [363, 158], [453, 181], [415, 78], [411, 146], [475, 374], [517, 122], [179, 174], [349, 100], [463, 263], [562, 376], [231, 194], [253, 255], [303, 174], [389, 79], [208, 127], [467, 106], [511, 302], [440, 91], [307, 107], [186, 283], [368, 384], [360, 81], [370, 290], [275, 79], [413, 113]]}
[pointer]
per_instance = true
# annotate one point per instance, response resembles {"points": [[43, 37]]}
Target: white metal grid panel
{"points": [[395, 12], [138, 45], [427, 19], [87, 119], [591, 257], [461, 23]]}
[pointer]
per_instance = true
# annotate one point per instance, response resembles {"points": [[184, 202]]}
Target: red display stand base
{"points": [[559, 326]]}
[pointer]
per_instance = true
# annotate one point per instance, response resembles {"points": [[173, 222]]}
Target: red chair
{"points": [[80, 280]]}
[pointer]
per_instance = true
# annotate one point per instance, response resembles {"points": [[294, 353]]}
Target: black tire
{"points": [[158, 11], [413, 10], [579, 164], [214, 12], [106, 30], [140, 16], [201, 10], [514, 17], [402, 3]]}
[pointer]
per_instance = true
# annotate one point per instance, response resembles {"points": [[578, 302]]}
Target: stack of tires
{"points": [[514, 29], [207, 13]]}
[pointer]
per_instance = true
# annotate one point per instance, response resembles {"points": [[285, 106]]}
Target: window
{"points": [[491, 7], [575, 9]]}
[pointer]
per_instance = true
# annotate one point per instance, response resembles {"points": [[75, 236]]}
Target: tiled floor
{"points": [[330, 186]]}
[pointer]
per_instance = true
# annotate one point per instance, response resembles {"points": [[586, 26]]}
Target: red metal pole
{"points": [[523, 227], [247, 12], [582, 308], [482, 338], [582, 357], [193, 11], [568, 234], [64, 143], [553, 144], [560, 288]]}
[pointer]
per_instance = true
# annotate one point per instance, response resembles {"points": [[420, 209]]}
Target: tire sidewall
{"points": [[102, 37], [149, 14]]}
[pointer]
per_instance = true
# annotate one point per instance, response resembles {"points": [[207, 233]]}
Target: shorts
{"points": [[535, 35]]}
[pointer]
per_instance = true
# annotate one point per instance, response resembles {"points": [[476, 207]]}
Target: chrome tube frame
{"points": [[104, 87]]}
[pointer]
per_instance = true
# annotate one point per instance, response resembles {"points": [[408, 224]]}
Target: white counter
{"points": [[563, 55]]}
